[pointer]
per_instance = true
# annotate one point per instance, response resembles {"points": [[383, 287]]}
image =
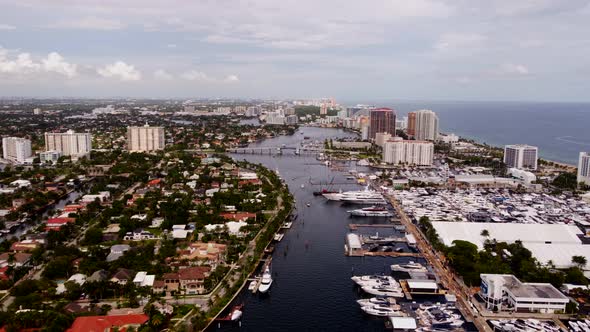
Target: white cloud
{"points": [[462, 43], [120, 70], [24, 64], [7, 27], [232, 79], [194, 75], [163, 75], [88, 23], [171, 45], [513, 69], [55, 63]]}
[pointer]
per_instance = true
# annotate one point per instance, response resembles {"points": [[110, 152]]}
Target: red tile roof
{"points": [[106, 323]]}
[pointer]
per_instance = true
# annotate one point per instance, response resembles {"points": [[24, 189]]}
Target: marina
{"points": [[313, 247]]}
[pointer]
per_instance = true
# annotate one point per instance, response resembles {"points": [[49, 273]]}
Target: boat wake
{"points": [[570, 139]]}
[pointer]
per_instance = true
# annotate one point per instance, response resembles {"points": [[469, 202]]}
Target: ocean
{"points": [[560, 130]]}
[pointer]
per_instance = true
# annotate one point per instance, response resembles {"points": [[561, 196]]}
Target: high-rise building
{"points": [[323, 109], [411, 126], [49, 156], [16, 149], [426, 125], [584, 168], [382, 120], [398, 151], [69, 143], [521, 156], [146, 138]]}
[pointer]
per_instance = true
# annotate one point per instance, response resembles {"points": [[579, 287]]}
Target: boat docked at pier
{"points": [[384, 286], [409, 267], [265, 282], [383, 310], [373, 211]]}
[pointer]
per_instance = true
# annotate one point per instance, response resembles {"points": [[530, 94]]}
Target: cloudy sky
{"points": [[348, 49]]}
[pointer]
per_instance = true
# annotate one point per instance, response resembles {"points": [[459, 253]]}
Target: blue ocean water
{"points": [[560, 130]]}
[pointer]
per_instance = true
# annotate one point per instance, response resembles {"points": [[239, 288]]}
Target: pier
{"points": [[360, 253], [354, 227], [267, 262]]}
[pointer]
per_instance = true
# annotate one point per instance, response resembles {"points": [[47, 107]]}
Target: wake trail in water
{"points": [[568, 139]]}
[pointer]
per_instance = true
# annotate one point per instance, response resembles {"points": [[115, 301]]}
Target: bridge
{"points": [[277, 150]]}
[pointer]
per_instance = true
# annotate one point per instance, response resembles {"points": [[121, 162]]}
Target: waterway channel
{"points": [[312, 289]]}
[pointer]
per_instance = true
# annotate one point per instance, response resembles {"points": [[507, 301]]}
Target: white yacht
{"points": [[373, 280], [383, 310], [265, 282], [382, 290], [368, 197], [409, 267], [373, 211], [376, 300]]}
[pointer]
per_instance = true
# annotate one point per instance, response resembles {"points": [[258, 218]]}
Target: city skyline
{"points": [[438, 50]]}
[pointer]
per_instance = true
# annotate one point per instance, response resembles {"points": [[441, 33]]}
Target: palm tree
{"points": [[485, 233], [580, 261]]}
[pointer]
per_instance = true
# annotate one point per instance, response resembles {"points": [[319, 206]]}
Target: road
{"points": [[446, 277]]}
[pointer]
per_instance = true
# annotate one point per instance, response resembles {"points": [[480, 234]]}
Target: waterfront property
{"points": [[504, 292]]}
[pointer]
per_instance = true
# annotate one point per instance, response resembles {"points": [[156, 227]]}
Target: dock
{"points": [[385, 254], [354, 227]]}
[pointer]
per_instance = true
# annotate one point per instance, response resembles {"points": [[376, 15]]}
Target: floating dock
{"points": [[354, 227]]}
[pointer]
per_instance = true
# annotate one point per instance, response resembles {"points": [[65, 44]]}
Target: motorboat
{"points": [[373, 211], [236, 312], [376, 300], [409, 267], [383, 291], [265, 282], [252, 285], [371, 280], [382, 310]]}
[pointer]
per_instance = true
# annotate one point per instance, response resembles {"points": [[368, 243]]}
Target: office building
{"points": [[275, 118], [584, 168], [411, 126], [426, 125], [521, 156], [418, 153], [69, 143], [16, 149], [504, 292], [49, 156], [381, 120], [37, 111], [291, 119], [146, 138]]}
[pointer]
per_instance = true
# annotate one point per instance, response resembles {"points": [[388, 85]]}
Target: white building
{"points": [[420, 153], [505, 292], [526, 176], [448, 139], [69, 143], [275, 118], [584, 168], [291, 119], [521, 156], [426, 125], [146, 138], [49, 156], [16, 149], [381, 138]]}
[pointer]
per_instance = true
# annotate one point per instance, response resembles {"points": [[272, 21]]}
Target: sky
{"points": [[351, 50]]}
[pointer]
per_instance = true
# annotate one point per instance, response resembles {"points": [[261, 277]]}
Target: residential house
{"points": [[122, 276], [210, 253], [17, 259], [138, 235], [117, 251], [57, 223], [107, 323]]}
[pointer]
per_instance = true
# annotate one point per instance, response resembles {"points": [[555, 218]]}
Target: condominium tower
{"points": [[521, 156], [69, 143], [146, 138], [382, 120], [398, 151], [16, 149], [584, 168]]}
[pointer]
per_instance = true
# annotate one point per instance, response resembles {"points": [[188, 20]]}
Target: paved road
{"points": [[446, 277]]}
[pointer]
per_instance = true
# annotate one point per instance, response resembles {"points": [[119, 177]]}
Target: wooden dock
{"points": [[387, 254], [354, 227]]}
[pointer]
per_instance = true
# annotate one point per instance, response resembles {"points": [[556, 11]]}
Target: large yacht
{"points": [[373, 211], [265, 282], [409, 267], [383, 310]]}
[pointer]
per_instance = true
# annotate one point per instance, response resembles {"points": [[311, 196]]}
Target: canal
{"points": [[312, 289]]}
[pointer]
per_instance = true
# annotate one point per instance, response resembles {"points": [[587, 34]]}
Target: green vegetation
{"points": [[566, 181]]}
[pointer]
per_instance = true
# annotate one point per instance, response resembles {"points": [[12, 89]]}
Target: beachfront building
{"points": [[584, 168], [69, 143], [146, 138], [521, 156], [381, 120], [405, 152], [16, 149], [425, 125], [504, 292]]}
